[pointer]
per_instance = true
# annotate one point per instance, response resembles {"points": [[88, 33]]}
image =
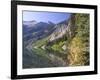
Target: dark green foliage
{"points": [[79, 44]]}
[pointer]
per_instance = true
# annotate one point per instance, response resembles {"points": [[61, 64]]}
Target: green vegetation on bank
{"points": [[58, 45], [40, 43], [79, 45]]}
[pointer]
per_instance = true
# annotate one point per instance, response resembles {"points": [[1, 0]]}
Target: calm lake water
{"points": [[41, 58]]}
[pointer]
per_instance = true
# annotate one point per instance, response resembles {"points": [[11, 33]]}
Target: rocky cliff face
{"points": [[59, 31], [71, 27], [65, 28]]}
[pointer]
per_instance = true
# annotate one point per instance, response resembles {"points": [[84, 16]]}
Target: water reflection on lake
{"points": [[41, 58]]}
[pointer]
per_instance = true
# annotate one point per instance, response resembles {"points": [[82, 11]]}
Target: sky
{"points": [[54, 17]]}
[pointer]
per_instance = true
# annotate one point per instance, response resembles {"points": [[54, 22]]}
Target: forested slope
{"points": [[78, 46]]}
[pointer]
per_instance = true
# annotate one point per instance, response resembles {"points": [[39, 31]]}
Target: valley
{"points": [[46, 44]]}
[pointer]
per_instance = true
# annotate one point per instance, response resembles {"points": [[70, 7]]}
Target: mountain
{"points": [[51, 23], [49, 34], [29, 23], [37, 30], [64, 28], [60, 31], [58, 36]]}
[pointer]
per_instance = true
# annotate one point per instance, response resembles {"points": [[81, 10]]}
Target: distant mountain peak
{"points": [[51, 22], [30, 23], [63, 22]]}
